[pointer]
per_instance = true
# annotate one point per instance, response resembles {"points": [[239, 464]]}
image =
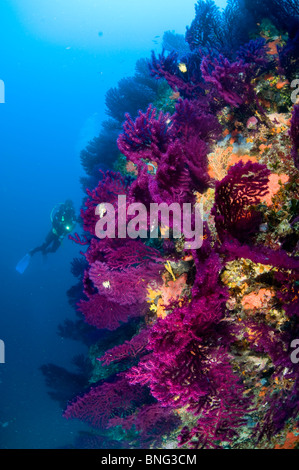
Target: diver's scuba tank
{"points": [[55, 210], [61, 225]]}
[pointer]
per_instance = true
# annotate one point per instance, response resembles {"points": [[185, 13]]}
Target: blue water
{"points": [[57, 60]]}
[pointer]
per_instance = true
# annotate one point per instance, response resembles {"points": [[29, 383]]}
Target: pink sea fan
{"points": [[109, 188], [105, 401], [153, 422], [231, 80], [259, 254], [244, 186], [221, 410], [184, 337], [125, 253], [146, 137], [102, 313], [129, 349], [190, 121], [126, 286]]}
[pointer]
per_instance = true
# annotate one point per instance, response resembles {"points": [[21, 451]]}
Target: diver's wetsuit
{"points": [[50, 245], [63, 221]]}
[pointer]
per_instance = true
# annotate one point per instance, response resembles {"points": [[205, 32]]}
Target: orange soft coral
{"points": [[291, 442], [274, 185], [257, 300], [171, 291], [131, 168]]}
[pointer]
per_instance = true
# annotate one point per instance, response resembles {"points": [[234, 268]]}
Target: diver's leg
{"points": [[44, 246], [54, 246], [38, 248]]}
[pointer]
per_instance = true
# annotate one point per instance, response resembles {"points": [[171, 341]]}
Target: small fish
{"points": [[157, 37], [187, 258], [282, 84], [175, 95], [100, 34], [183, 67]]}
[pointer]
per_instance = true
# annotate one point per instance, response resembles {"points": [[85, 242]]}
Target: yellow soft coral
{"points": [[170, 291], [221, 159]]}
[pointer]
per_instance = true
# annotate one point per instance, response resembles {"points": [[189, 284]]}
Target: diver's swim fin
{"points": [[23, 263]]}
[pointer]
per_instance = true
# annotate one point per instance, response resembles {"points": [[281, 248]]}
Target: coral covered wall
{"points": [[208, 361]]}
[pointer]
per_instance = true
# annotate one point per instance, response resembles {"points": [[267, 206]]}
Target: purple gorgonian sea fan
{"points": [[119, 270], [111, 186], [183, 75], [116, 281], [235, 195], [152, 421], [182, 360], [178, 144], [147, 137], [100, 312], [197, 130], [187, 367], [188, 362], [126, 286], [231, 80], [105, 401], [133, 348], [255, 54]]}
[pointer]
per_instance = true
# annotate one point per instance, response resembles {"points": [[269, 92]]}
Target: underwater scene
{"points": [[150, 224]]}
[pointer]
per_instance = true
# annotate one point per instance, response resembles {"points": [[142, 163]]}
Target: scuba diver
{"points": [[63, 218]]}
